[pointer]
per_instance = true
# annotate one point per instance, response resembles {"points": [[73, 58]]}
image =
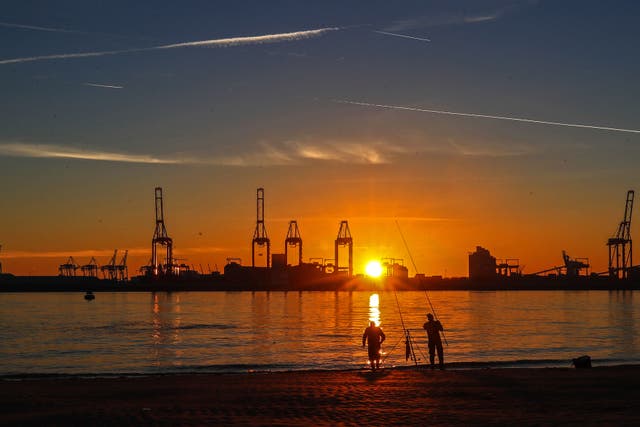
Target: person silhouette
{"points": [[433, 328], [374, 335]]}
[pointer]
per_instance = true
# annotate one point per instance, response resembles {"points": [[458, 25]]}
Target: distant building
{"points": [[481, 264]]}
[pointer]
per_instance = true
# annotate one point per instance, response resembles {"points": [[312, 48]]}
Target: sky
{"points": [[511, 125]]}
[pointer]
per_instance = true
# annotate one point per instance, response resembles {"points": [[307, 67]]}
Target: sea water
{"points": [[130, 332]]}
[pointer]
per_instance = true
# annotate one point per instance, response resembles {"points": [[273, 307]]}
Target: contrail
{"points": [[36, 28], [487, 116], [401, 35], [232, 41], [103, 86]]}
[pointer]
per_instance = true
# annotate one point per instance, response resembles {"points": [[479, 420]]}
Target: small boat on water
{"points": [[89, 296]]}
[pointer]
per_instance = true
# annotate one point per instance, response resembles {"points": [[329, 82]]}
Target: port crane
{"points": [[293, 240], [90, 269], [572, 267], [69, 268], [344, 239], [620, 245], [109, 270], [260, 237], [122, 271], [161, 238]]}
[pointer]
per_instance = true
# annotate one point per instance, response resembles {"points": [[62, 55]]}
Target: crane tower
{"points": [[344, 239], [293, 239], [621, 257], [160, 237], [260, 237]]}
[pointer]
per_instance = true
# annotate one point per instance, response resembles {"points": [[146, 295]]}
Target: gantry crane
{"points": [[109, 270], [122, 271], [90, 269], [620, 246], [260, 237], [293, 239], [344, 239], [161, 237], [69, 268]]}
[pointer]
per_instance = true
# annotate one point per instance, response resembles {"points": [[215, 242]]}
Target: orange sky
{"points": [[442, 220]]}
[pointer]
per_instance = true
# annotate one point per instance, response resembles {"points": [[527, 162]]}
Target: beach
{"points": [[522, 396]]}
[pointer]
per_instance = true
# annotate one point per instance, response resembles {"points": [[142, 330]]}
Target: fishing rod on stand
{"points": [[426, 294], [409, 351]]}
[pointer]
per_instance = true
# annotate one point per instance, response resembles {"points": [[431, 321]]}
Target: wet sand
{"points": [[552, 396]]}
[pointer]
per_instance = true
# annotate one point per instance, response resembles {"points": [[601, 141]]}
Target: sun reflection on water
{"points": [[374, 308]]}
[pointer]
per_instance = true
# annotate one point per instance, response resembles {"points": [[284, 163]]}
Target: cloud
{"points": [[376, 219], [20, 149], [403, 36], [491, 149], [492, 117], [447, 19], [226, 42], [264, 154], [81, 254], [36, 28], [103, 86]]}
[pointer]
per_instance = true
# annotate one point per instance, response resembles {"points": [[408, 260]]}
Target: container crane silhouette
{"points": [[344, 239], [621, 246], [260, 237], [293, 240]]}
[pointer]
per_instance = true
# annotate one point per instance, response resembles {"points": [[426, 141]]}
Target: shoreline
{"points": [[504, 396], [257, 370]]}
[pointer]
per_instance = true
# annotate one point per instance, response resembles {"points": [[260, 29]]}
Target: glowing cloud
{"points": [[19, 149], [287, 153], [487, 116], [226, 42]]}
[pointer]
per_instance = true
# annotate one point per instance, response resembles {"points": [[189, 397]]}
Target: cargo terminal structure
{"points": [[287, 270]]}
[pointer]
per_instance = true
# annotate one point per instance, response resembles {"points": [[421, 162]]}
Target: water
{"points": [[61, 333]]}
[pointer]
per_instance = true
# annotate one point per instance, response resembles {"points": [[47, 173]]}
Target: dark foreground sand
{"points": [[598, 396]]}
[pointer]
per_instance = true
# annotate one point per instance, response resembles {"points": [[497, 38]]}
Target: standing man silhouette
{"points": [[433, 328], [376, 337]]}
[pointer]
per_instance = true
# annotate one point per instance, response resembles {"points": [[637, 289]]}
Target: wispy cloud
{"points": [[455, 18], [491, 149], [225, 42], [21, 149], [402, 35], [492, 117], [37, 28], [377, 219], [86, 254], [264, 154], [103, 86]]}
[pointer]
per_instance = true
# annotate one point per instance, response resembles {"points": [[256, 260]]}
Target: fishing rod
{"points": [[408, 342], [426, 294]]}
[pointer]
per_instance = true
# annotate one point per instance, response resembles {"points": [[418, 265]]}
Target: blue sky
{"points": [[81, 137]]}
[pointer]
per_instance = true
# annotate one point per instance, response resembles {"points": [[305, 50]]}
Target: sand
{"points": [[551, 396]]}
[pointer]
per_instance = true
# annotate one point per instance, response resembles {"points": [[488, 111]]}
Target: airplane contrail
{"points": [[402, 35], [231, 41], [487, 116], [103, 86], [37, 28]]}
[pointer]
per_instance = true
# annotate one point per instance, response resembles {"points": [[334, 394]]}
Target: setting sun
{"points": [[373, 269]]}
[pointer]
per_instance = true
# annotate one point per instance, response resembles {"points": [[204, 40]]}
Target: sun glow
{"points": [[373, 269]]}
